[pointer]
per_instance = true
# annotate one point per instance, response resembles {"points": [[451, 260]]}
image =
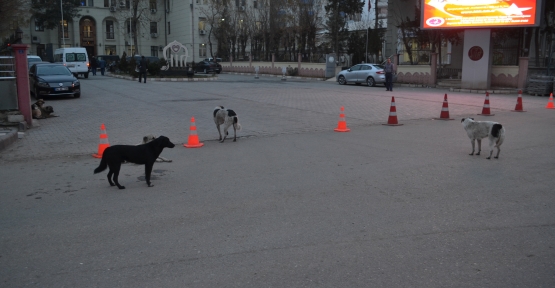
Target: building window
{"points": [[153, 27], [201, 23], [154, 51], [38, 26], [109, 3], [202, 50], [169, 28], [152, 4], [91, 3], [110, 50], [109, 29], [65, 29], [83, 2], [87, 29], [255, 4]]}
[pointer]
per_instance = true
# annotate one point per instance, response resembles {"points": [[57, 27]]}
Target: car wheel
{"points": [[342, 80], [205, 71], [86, 75], [219, 71], [77, 95], [370, 82]]}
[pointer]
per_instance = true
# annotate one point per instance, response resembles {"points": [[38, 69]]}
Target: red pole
{"points": [[22, 82]]}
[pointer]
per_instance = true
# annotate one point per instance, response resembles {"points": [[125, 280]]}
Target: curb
{"points": [[7, 137], [273, 75], [167, 79]]}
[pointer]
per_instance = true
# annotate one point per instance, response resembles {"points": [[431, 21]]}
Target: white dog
{"points": [[477, 130], [227, 117], [149, 138]]}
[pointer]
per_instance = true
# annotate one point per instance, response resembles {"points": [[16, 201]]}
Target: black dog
{"points": [[145, 154]]}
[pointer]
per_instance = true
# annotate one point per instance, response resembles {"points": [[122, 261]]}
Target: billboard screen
{"points": [[452, 14]]}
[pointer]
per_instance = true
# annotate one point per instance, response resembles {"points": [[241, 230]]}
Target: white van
{"points": [[74, 58]]}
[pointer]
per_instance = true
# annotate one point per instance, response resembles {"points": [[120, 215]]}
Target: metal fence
{"points": [[8, 97]]}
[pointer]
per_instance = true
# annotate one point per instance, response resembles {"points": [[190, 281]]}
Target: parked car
{"points": [[371, 74], [75, 58], [32, 59], [149, 59], [212, 59], [208, 67], [52, 79]]}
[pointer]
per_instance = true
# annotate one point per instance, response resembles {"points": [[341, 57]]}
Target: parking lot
{"points": [[291, 203]]}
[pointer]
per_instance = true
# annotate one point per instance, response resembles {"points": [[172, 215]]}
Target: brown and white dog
{"points": [[228, 118], [39, 111], [477, 130]]}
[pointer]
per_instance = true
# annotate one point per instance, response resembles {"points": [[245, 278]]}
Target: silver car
{"points": [[371, 74]]}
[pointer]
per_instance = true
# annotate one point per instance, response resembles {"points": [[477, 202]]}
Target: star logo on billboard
{"points": [[514, 10]]}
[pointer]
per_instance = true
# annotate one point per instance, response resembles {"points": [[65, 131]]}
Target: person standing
{"points": [[389, 69], [102, 64], [142, 68], [94, 65]]}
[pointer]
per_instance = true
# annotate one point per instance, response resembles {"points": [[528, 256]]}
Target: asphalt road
{"points": [[291, 203]]}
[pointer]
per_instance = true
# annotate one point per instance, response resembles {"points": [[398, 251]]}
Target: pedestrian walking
{"points": [[142, 68], [94, 65], [102, 64], [389, 69]]}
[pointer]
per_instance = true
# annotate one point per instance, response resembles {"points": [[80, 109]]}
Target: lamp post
{"points": [[62, 24]]}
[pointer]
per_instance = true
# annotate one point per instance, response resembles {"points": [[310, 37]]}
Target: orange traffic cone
{"points": [[550, 102], [444, 110], [392, 120], [518, 107], [193, 137], [103, 144], [485, 110], [342, 124]]}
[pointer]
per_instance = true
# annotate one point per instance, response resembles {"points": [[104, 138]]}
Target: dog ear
{"points": [[462, 120], [145, 138], [472, 119]]}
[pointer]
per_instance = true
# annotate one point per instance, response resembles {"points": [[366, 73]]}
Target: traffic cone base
{"points": [[193, 141], [550, 102], [392, 120], [342, 124], [103, 144]]}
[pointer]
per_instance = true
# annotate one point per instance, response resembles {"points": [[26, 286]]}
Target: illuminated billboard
{"points": [[452, 14]]}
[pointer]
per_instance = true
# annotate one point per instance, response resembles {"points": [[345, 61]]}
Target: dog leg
{"points": [[498, 151], [472, 142], [148, 170], [110, 173], [116, 174], [218, 126], [491, 145], [479, 146], [234, 134], [225, 133]]}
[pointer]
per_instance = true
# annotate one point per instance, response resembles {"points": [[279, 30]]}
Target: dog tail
{"points": [[103, 165], [236, 123]]}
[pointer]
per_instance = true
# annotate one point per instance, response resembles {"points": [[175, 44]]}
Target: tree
{"points": [[336, 11], [137, 17], [18, 10], [48, 12]]}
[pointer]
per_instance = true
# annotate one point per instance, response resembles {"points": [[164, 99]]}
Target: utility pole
{"points": [[62, 24]]}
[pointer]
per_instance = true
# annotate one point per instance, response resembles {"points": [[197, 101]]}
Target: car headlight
{"points": [[43, 84], [76, 83]]}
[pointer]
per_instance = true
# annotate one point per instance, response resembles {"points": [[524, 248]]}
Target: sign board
{"points": [[451, 14]]}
